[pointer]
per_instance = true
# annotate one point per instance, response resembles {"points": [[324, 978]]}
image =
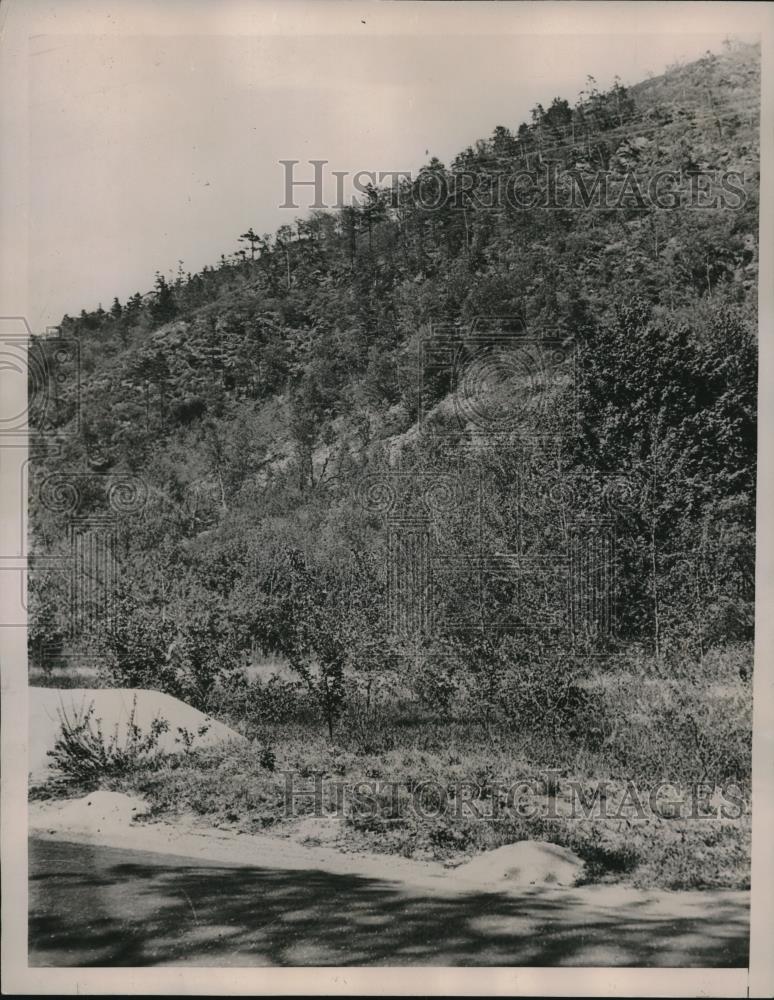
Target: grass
{"points": [[53, 678], [407, 772], [392, 807], [265, 667]]}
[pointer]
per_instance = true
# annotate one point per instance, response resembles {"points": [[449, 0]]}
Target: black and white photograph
{"points": [[382, 504]]}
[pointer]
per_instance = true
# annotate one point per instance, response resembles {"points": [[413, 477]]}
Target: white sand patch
{"points": [[114, 707], [527, 863], [96, 813]]}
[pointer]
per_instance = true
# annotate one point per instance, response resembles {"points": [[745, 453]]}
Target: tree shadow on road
{"points": [[94, 906]]}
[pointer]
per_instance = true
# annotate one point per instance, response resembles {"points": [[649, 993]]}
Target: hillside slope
{"points": [[243, 426]]}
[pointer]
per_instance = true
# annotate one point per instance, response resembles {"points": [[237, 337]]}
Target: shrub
{"points": [[185, 652], [544, 691], [83, 754], [687, 730], [261, 709]]}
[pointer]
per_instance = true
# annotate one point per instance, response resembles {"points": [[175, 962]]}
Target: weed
{"points": [[84, 754]]}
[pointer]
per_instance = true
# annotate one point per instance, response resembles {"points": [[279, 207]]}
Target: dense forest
{"points": [[474, 461]]}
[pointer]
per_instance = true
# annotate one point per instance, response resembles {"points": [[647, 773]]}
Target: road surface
{"points": [[103, 906]]}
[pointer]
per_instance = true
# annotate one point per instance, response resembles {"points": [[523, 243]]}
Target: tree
{"points": [[503, 142], [163, 307], [253, 239], [674, 438], [315, 635], [133, 309], [557, 121]]}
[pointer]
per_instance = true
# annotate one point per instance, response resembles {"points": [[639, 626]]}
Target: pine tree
{"points": [[163, 308]]}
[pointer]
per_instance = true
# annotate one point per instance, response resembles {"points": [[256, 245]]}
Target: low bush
{"points": [[260, 708], [84, 754], [634, 722], [403, 802]]}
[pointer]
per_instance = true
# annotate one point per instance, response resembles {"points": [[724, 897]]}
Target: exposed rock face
{"points": [[529, 862]]}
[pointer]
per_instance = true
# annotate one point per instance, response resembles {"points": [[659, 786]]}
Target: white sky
{"points": [[152, 139]]}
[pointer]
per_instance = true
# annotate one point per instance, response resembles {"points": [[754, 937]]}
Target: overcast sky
{"points": [[144, 150]]}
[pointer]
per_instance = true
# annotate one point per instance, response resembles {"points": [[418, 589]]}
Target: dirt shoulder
{"points": [[189, 838], [185, 837]]}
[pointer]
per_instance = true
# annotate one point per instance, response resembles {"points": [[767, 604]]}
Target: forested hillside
{"points": [[544, 390]]}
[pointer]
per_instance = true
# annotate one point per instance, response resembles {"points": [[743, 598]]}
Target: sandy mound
{"points": [[113, 706], [529, 862], [99, 812]]}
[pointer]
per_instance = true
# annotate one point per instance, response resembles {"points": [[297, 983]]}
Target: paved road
{"points": [[101, 906]]}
